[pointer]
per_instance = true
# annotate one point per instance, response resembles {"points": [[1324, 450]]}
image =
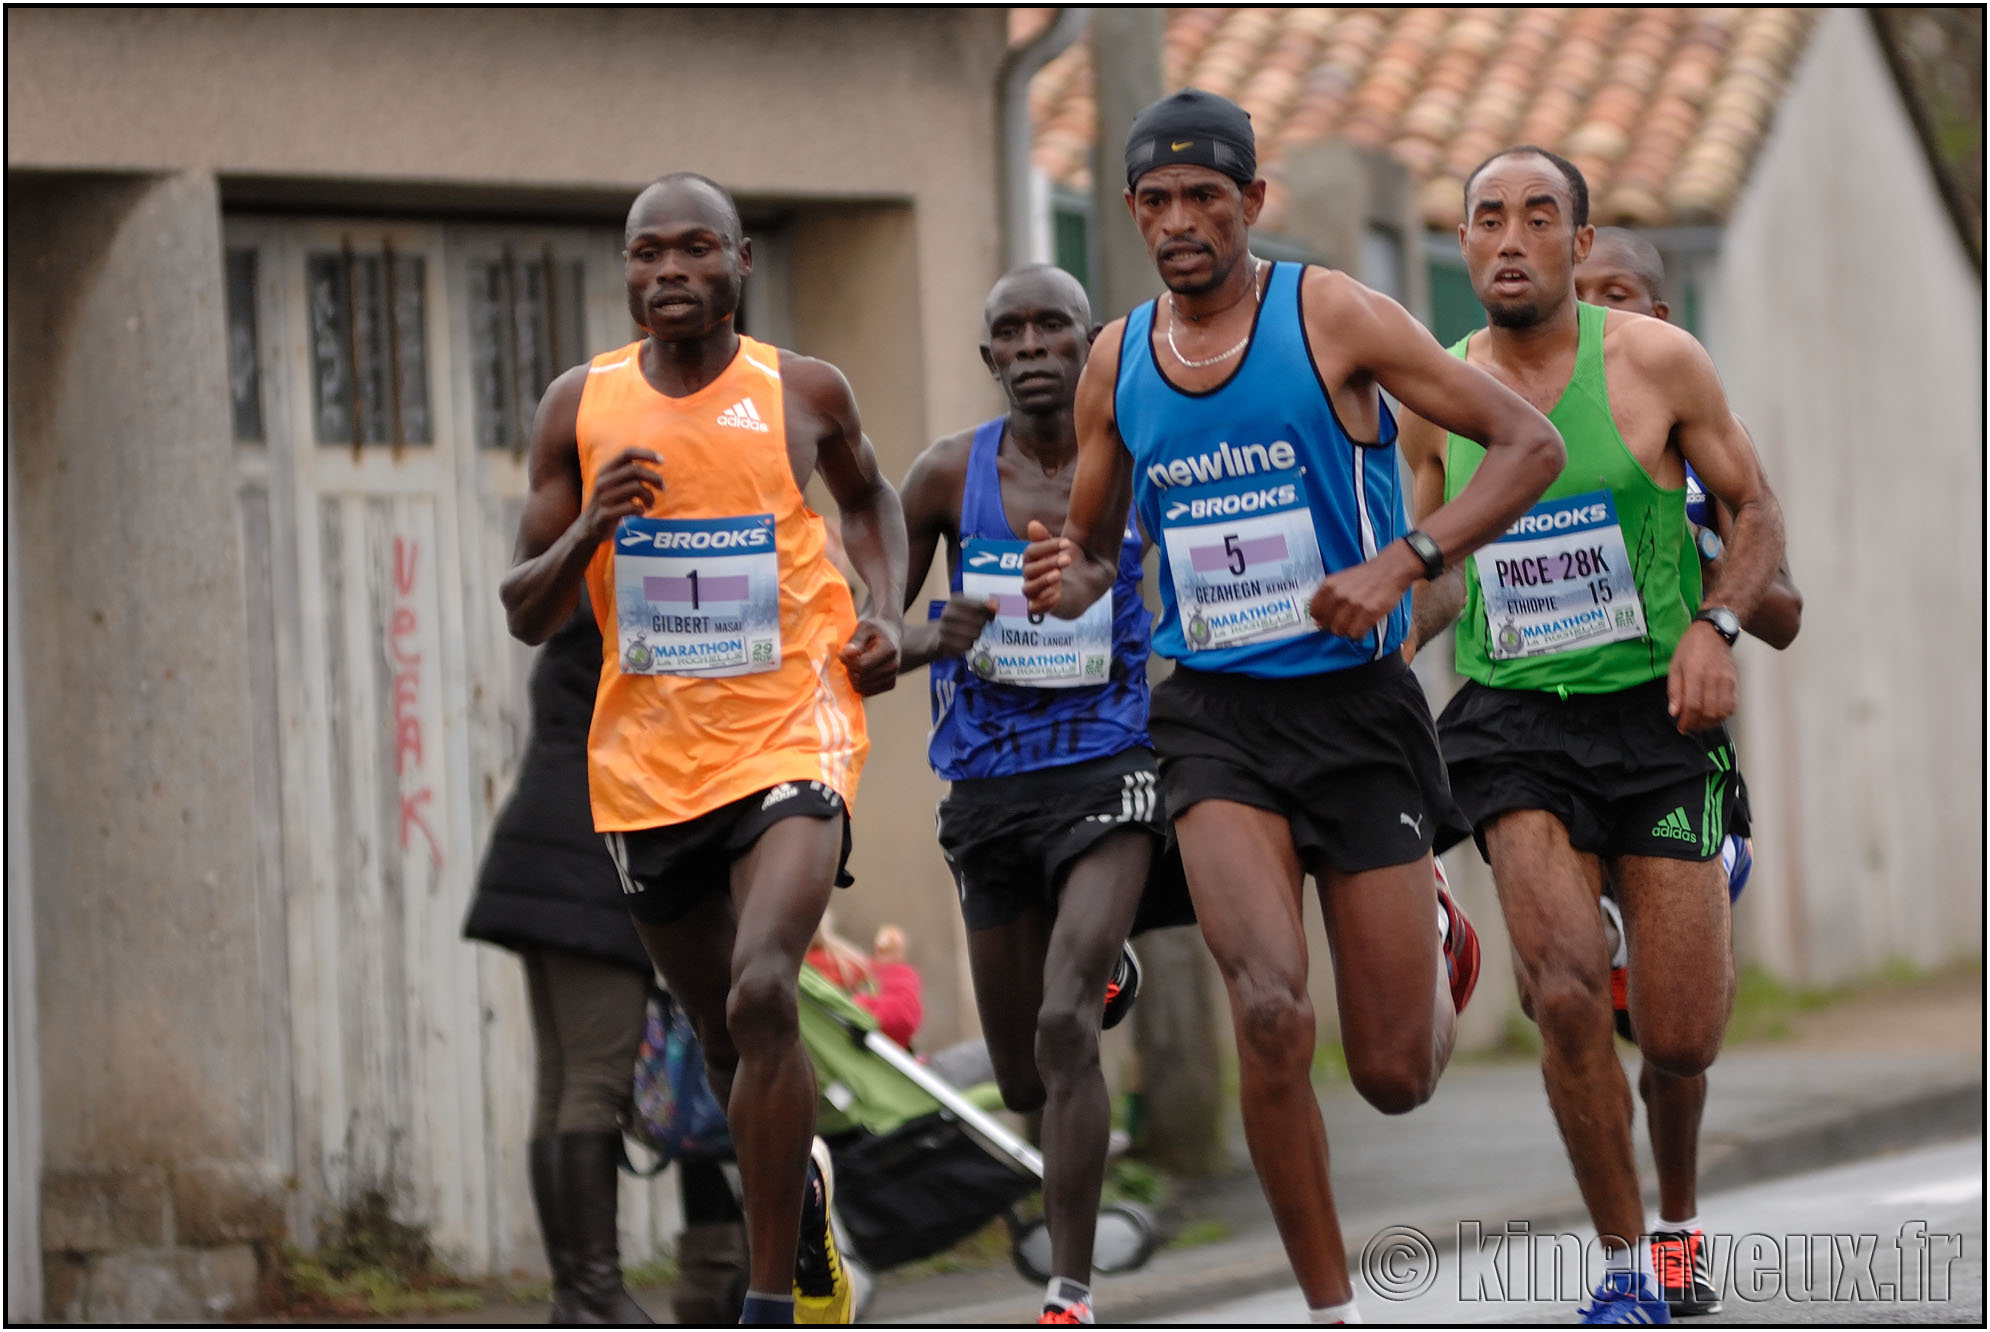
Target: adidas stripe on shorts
{"points": [[1611, 767], [667, 871], [1010, 841]]}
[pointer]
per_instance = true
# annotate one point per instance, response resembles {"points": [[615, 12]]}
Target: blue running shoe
{"points": [[1737, 858], [1625, 1297]]}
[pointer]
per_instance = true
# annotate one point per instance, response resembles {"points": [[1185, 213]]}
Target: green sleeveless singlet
{"points": [[1565, 618]]}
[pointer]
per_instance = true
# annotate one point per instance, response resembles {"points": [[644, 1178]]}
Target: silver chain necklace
{"points": [[1175, 316]]}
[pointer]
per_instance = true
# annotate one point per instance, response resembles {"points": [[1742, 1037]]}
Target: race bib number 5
{"points": [[697, 596], [1244, 561], [1019, 648], [1559, 580]]}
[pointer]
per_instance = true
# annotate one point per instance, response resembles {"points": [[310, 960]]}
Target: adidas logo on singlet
{"points": [[743, 415]]}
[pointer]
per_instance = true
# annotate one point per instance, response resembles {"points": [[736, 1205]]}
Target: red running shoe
{"points": [[1620, 976], [1461, 943], [1683, 1263], [1122, 988]]}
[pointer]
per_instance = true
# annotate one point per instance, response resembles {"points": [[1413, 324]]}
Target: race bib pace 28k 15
{"points": [[697, 596], [1019, 648], [1559, 580], [1244, 560]]}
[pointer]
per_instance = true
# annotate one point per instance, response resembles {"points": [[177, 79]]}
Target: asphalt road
{"points": [[1896, 1239]]}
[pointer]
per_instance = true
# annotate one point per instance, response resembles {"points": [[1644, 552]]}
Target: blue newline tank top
{"points": [[1194, 450], [982, 729]]}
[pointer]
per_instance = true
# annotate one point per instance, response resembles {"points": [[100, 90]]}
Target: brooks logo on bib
{"points": [[1019, 648], [1244, 559], [1560, 580], [697, 596]]}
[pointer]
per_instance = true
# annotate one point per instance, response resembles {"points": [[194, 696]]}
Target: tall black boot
{"points": [[587, 1170], [546, 1201], [711, 1253]]}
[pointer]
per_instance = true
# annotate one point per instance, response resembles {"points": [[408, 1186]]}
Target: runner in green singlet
{"points": [[1598, 677]]}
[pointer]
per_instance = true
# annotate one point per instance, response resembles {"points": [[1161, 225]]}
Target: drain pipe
{"points": [[1018, 68]]}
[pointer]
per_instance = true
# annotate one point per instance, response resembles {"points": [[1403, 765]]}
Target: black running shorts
{"points": [[667, 871], [1612, 767], [1010, 841], [1349, 758]]}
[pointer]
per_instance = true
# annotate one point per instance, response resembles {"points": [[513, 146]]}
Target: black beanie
{"points": [[1193, 127]]}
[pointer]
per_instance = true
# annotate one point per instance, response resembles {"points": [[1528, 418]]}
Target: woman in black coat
{"points": [[549, 892]]}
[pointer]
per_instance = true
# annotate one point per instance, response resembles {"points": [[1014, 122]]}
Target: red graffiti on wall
{"points": [[404, 645]]}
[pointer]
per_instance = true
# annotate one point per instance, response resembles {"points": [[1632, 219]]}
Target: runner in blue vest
{"points": [[1625, 272], [1053, 825], [1242, 414]]}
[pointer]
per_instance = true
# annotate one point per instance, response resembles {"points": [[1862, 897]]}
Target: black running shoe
{"points": [[1122, 988]]}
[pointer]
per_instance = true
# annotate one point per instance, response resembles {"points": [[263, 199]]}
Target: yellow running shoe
{"points": [[822, 1287]]}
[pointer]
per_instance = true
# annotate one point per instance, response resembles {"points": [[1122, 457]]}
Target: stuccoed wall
{"points": [[1848, 326]]}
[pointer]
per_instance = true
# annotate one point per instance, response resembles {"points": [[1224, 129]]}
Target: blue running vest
{"points": [[1254, 493], [984, 729]]}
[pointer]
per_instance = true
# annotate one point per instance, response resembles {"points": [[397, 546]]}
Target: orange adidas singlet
{"points": [[721, 614]]}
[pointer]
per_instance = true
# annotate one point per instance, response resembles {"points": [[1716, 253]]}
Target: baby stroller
{"points": [[921, 1165]]}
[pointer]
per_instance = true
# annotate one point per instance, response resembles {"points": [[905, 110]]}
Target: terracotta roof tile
{"points": [[1663, 109]]}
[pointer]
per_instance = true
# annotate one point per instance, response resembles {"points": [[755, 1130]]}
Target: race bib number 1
{"points": [[1244, 560], [1559, 580], [1018, 648], [697, 596]]}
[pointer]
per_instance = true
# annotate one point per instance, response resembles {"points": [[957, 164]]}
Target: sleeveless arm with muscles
{"points": [[1701, 685], [931, 495], [557, 535], [1778, 616], [873, 523], [1064, 574], [1363, 337]]}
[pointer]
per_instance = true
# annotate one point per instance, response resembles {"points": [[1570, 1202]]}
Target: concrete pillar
{"points": [[1354, 209], [1126, 79], [155, 1067], [24, 1294]]}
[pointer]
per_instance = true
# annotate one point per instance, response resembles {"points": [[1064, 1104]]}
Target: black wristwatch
{"points": [[1427, 551], [1725, 622]]}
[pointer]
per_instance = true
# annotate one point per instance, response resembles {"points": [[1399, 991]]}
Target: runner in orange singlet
{"points": [[728, 731]]}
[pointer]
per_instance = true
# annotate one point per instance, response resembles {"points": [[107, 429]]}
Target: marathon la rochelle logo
{"points": [[1224, 461]]}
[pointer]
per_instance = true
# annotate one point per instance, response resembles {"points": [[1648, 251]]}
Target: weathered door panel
{"points": [[397, 701]]}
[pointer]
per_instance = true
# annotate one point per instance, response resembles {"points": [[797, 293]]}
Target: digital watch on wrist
{"points": [[1426, 550], [1725, 622]]}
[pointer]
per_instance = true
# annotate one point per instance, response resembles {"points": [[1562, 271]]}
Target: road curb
{"points": [[1787, 1146], [1846, 1133]]}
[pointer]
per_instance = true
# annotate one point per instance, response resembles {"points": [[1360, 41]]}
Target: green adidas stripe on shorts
{"points": [[1712, 819]]}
